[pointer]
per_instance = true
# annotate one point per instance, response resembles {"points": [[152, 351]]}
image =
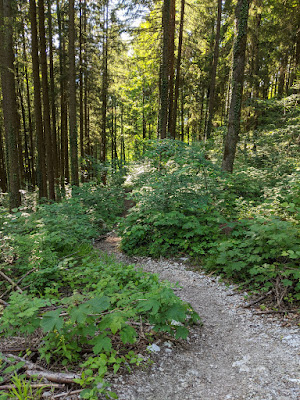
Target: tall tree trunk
{"points": [[72, 98], [211, 103], [104, 90], [3, 178], [164, 86], [81, 116], [46, 106], [171, 64], [64, 149], [239, 50], [56, 166], [30, 127], [9, 101], [41, 171], [177, 80]]}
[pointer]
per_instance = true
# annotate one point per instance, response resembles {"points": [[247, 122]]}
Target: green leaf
{"points": [[98, 305], [51, 320], [101, 343], [182, 332], [150, 304], [128, 334], [176, 312]]}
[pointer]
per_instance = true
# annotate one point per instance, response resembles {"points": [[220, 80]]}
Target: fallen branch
{"points": [[3, 303], [57, 377], [27, 364], [19, 281], [34, 386], [57, 396], [277, 312], [258, 300], [11, 281]]}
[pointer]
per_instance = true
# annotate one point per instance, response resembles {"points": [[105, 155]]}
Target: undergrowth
{"points": [[84, 310], [243, 226]]}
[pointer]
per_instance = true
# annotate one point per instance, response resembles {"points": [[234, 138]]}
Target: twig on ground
{"points": [[258, 300], [57, 396], [277, 312], [3, 303], [19, 281], [27, 364], [14, 284]]}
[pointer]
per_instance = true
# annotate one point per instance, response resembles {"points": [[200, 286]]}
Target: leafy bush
{"points": [[241, 225], [38, 241], [107, 305], [76, 302]]}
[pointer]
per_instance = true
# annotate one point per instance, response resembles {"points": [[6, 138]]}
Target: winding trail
{"points": [[235, 355]]}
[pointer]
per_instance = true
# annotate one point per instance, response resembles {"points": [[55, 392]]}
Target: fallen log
{"points": [[57, 377]]}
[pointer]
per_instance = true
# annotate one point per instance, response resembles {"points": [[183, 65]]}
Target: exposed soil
{"points": [[235, 355]]}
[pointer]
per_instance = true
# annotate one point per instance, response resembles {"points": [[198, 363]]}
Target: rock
{"points": [[153, 348]]}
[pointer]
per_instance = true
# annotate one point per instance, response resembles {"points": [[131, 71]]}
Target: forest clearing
{"points": [[150, 197]]}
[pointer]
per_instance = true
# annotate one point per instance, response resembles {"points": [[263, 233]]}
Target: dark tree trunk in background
{"points": [[41, 172], [171, 65], [64, 145], [104, 90], [242, 10], [177, 81], [9, 102], [30, 127], [3, 179], [46, 105], [164, 70], [56, 165], [211, 102], [72, 97], [81, 116]]}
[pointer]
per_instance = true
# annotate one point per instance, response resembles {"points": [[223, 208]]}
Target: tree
{"points": [[211, 103], [46, 104], [41, 171], [239, 50], [10, 109], [72, 97]]}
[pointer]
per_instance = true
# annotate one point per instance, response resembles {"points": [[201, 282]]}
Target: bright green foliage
{"points": [[41, 240], [106, 296], [243, 225], [76, 300]]}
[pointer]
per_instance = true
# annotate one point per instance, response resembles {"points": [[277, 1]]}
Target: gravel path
{"points": [[235, 355]]}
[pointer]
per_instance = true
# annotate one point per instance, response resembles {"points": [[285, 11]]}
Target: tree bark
{"points": [[72, 97], [171, 65], [3, 179], [46, 105], [56, 166], [211, 102], [104, 90], [242, 10], [9, 101], [41, 171], [177, 80], [164, 85]]}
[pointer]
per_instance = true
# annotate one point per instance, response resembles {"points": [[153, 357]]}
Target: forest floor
{"points": [[236, 354]]}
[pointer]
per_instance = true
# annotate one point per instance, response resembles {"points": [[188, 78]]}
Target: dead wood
{"points": [[14, 284], [27, 364], [57, 377], [57, 396], [277, 312], [19, 281], [258, 300]]}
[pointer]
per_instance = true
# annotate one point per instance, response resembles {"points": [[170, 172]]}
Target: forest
{"points": [[173, 124]]}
